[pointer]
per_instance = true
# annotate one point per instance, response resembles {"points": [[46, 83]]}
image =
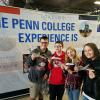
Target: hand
{"points": [[62, 66], [49, 60], [33, 56], [45, 77], [91, 73], [76, 69], [66, 67], [70, 71]]}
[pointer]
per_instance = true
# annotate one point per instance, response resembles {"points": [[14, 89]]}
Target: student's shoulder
{"points": [[49, 53]]}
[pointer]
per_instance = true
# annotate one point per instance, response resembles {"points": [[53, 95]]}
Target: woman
{"points": [[73, 77], [91, 80]]}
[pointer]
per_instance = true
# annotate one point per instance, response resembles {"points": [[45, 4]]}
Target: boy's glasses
{"points": [[44, 42], [57, 46]]}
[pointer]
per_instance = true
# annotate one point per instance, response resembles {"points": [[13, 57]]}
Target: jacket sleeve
{"points": [[29, 61], [50, 66], [48, 70], [97, 69]]}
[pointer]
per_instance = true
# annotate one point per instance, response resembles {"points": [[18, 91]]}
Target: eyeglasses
{"points": [[44, 42], [57, 46]]}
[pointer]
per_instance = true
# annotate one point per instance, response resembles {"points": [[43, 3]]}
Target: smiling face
{"points": [[88, 52], [71, 53], [58, 47]]}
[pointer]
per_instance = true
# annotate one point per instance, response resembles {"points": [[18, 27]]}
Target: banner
{"points": [[20, 30]]}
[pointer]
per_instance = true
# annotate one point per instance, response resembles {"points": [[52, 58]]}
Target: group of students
{"points": [[64, 71]]}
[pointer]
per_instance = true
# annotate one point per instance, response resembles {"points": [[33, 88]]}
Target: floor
{"points": [[27, 98]]}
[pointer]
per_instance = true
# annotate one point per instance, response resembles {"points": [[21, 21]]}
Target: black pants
{"points": [[56, 91], [97, 89]]}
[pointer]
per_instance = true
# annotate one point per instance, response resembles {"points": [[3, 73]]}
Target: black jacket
{"points": [[36, 75], [91, 87]]}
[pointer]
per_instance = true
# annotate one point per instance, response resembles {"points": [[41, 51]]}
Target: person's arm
{"points": [[46, 75], [47, 72], [67, 69], [94, 70], [50, 64], [97, 69], [31, 58]]}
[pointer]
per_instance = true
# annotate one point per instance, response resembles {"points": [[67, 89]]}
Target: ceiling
{"points": [[64, 6]]}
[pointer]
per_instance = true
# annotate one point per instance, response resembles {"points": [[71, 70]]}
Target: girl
{"points": [[91, 81], [73, 78], [56, 79]]}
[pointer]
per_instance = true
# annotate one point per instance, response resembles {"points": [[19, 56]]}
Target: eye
{"points": [[58, 46], [68, 53]]}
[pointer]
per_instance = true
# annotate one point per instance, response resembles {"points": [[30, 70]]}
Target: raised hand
{"points": [[76, 68], [91, 73], [33, 56]]}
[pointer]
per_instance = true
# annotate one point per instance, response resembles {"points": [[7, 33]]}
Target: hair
{"points": [[44, 38], [94, 48], [76, 58], [59, 42]]}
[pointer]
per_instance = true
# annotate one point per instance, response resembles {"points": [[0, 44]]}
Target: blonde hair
{"points": [[76, 57]]}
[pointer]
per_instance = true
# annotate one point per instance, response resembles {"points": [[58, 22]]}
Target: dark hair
{"points": [[94, 48], [84, 58], [44, 37], [60, 42]]}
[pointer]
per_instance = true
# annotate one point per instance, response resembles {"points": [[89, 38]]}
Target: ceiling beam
{"points": [[75, 3]]}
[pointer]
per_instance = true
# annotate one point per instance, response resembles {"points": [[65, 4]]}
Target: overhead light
{"points": [[97, 2]]}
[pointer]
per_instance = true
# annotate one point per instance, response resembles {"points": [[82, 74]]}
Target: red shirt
{"points": [[56, 72]]}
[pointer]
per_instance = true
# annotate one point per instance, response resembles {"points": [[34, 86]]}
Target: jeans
{"points": [[73, 94]]}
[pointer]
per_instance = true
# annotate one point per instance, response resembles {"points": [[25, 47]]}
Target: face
{"points": [[88, 52], [43, 44], [71, 54], [58, 47]]}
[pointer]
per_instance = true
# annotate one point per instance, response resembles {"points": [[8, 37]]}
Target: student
{"points": [[73, 78], [38, 73], [57, 79], [91, 80]]}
